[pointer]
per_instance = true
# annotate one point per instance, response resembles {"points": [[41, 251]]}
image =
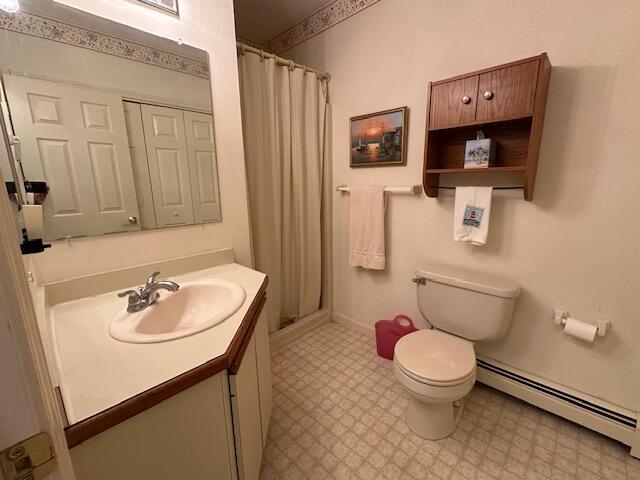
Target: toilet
{"points": [[437, 366]]}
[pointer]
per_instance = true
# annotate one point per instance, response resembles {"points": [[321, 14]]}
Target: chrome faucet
{"points": [[148, 295]]}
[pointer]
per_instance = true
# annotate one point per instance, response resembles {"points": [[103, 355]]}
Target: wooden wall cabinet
{"points": [[506, 102]]}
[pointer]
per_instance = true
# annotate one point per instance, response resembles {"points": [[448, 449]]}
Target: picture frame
{"points": [[168, 6], [379, 139]]}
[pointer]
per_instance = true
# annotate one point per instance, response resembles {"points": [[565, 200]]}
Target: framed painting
{"points": [[379, 139]]}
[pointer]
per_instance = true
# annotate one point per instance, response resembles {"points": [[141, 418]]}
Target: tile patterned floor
{"points": [[338, 413]]}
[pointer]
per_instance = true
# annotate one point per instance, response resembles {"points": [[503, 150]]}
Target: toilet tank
{"points": [[472, 305]]}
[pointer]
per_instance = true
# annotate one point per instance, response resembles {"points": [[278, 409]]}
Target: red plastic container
{"points": [[388, 332]]}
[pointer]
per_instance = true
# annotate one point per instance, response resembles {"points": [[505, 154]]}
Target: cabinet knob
{"points": [[466, 99], [488, 95], [133, 220]]}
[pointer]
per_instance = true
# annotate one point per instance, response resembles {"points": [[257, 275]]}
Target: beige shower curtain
{"points": [[284, 119]]}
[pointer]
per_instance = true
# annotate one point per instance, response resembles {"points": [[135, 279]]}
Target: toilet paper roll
{"points": [[32, 216], [579, 329]]}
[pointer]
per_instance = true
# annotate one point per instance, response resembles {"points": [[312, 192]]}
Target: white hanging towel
{"points": [[366, 228], [471, 214]]}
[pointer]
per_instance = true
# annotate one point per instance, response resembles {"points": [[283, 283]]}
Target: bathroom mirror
{"points": [[118, 123]]}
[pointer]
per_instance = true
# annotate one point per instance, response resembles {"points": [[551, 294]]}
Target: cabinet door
{"points": [[186, 436], [263, 355], [507, 92], [168, 165], [453, 103], [245, 407]]}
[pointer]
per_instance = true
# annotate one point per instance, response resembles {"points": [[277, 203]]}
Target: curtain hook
{"points": [[242, 49], [292, 66], [262, 55]]}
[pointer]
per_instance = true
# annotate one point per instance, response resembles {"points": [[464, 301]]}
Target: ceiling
{"points": [[261, 20]]}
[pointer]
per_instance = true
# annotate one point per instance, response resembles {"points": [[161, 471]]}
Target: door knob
{"points": [[466, 99], [488, 95], [133, 220]]}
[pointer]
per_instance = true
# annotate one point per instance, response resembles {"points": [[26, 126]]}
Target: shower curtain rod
{"points": [[243, 47]]}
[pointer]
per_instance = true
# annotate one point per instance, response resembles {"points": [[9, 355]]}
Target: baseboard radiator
{"points": [[615, 422]]}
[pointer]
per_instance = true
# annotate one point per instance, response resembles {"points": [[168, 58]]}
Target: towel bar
{"points": [[411, 189], [495, 188]]}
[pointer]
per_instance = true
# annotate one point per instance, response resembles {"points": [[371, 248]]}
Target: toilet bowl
{"points": [[437, 366], [437, 370]]}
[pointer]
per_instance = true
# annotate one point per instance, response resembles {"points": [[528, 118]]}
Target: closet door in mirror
{"points": [[139, 163], [203, 169], [168, 165]]}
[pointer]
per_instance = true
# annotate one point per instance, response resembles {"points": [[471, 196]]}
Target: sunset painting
{"points": [[379, 138]]}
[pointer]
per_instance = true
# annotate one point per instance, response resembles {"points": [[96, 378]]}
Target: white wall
{"points": [[209, 26], [576, 244]]}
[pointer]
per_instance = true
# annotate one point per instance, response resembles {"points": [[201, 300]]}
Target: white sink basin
{"points": [[197, 306]]}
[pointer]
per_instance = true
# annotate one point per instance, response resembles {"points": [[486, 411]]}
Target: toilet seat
{"points": [[435, 358], [428, 381]]}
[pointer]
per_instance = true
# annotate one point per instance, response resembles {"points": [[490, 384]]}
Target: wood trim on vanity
{"points": [[81, 431], [240, 342]]}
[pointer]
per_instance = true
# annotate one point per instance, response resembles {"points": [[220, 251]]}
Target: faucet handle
{"points": [[135, 300], [129, 293], [152, 279]]}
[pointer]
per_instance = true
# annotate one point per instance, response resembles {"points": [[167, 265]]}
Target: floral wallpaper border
{"points": [[251, 43], [36, 26], [328, 16]]}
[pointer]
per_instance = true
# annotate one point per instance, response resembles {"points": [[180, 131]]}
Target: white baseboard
{"points": [[345, 321], [282, 337], [624, 434]]}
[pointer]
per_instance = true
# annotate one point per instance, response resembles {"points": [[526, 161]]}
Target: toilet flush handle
{"points": [[419, 280]]}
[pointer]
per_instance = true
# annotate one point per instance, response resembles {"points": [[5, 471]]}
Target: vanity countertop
{"points": [[97, 372]]}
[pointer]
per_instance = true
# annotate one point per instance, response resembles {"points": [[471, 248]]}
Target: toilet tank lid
{"points": [[470, 280]]}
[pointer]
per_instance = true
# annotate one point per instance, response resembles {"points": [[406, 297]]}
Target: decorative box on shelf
{"points": [[479, 153]]}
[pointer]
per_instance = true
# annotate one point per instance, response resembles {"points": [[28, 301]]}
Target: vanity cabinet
{"points": [[189, 435], [213, 430], [507, 103]]}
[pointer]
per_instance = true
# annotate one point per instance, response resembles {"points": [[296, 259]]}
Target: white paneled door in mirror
{"points": [[75, 139], [202, 166], [168, 165], [138, 153]]}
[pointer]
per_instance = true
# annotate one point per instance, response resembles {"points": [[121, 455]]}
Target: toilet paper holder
{"points": [[560, 318]]}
